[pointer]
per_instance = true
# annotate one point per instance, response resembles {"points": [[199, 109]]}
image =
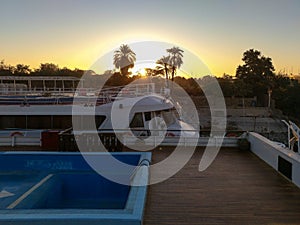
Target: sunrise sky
{"points": [[76, 33]]}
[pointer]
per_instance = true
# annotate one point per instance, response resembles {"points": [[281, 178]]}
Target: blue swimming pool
{"points": [[61, 188]]}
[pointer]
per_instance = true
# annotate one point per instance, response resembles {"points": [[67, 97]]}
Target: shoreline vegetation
{"points": [[255, 78]]}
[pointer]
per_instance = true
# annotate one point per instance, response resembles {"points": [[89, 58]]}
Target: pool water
{"points": [[54, 188]]}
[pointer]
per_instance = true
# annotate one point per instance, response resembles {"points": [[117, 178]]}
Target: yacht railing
{"points": [[293, 136], [128, 138], [133, 90], [37, 91], [19, 137], [82, 95], [68, 137]]}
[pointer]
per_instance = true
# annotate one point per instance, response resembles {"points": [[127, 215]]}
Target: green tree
{"points": [[117, 79], [151, 72], [226, 83], [21, 69], [2, 65], [257, 72], [290, 101], [175, 61], [241, 89], [124, 59], [47, 69], [282, 84], [6, 69]]}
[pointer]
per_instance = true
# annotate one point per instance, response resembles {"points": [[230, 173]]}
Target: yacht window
{"points": [[88, 122], [12, 122], [175, 113], [38, 122], [147, 116], [168, 117], [99, 120], [76, 122], [62, 122], [137, 121], [158, 113]]}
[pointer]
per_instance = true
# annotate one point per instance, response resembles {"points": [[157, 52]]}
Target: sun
{"points": [[140, 68], [142, 72]]}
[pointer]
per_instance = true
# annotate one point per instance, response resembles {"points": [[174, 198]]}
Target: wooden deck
{"points": [[238, 188]]}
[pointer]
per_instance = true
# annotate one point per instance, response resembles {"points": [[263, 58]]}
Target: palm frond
{"points": [[124, 57]]}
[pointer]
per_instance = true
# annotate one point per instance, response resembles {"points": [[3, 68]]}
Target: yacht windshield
{"points": [[170, 116]]}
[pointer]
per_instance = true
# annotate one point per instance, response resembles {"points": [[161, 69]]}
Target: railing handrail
{"points": [[109, 94]]}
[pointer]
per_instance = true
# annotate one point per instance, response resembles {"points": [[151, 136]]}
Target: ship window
{"points": [[62, 122], [99, 120], [87, 122], [168, 117], [147, 116], [12, 122], [38, 122], [176, 114], [91, 122], [137, 121], [76, 122]]}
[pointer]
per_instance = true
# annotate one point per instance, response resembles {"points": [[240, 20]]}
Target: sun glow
{"points": [[142, 71], [141, 66]]}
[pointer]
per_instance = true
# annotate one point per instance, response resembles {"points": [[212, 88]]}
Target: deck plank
{"points": [[238, 188]]}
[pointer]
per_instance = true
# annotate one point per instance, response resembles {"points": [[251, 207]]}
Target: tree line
{"points": [[255, 77], [45, 69]]}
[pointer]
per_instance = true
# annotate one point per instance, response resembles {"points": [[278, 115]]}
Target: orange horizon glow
{"points": [[45, 32], [216, 70], [217, 64]]}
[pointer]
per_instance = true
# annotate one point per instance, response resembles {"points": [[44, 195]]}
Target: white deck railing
{"points": [[105, 95], [20, 137]]}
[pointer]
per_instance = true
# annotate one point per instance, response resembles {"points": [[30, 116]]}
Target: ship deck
{"points": [[238, 188]]}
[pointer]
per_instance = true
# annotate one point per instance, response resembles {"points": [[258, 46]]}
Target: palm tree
{"points": [[124, 59], [164, 67], [163, 63], [175, 61]]}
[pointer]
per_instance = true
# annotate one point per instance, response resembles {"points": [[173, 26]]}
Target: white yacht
{"points": [[148, 113]]}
